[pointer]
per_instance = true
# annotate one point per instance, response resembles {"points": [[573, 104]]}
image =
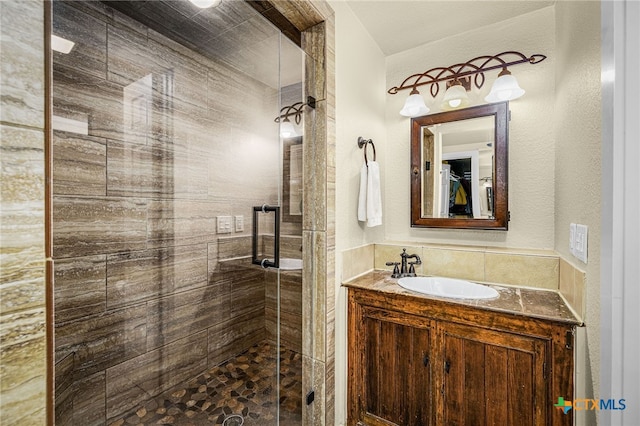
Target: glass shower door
{"points": [[164, 139]]}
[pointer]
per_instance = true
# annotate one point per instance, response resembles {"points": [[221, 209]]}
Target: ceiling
{"points": [[399, 25]]}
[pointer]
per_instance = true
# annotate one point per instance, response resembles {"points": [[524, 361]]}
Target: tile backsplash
{"points": [[544, 269]]}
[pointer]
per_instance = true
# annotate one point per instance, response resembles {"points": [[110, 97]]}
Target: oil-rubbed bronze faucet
{"points": [[407, 269]]}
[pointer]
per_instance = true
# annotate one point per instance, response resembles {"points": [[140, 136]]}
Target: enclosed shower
{"points": [[170, 177]]}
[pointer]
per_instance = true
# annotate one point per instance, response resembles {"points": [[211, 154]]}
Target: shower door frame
{"points": [[315, 24]]}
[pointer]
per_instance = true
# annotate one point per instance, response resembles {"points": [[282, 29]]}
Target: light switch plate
{"points": [[572, 238], [224, 224], [581, 242], [239, 220]]}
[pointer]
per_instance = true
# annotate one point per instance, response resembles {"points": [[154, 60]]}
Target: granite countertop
{"points": [[535, 303]]}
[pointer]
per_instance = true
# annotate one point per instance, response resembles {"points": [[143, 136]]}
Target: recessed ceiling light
{"points": [[203, 4], [60, 44]]}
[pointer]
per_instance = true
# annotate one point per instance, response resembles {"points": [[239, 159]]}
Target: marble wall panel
{"points": [[64, 390], [247, 294], [235, 335], [141, 170], [80, 287], [233, 247], [21, 218], [91, 226], [246, 167], [178, 222], [23, 348], [290, 245], [173, 317], [22, 63], [230, 92], [88, 400], [23, 365], [143, 275], [290, 292], [76, 92], [101, 341], [314, 297], [150, 374], [290, 329], [79, 164], [314, 377], [89, 35]]}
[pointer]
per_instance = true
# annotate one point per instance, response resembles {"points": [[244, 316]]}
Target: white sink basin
{"points": [[448, 287]]}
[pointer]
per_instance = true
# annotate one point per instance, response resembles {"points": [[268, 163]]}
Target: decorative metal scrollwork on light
{"points": [[460, 77], [286, 128]]}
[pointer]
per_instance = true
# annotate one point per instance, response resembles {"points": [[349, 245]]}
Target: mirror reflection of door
{"points": [[458, 170], [462, 196]]}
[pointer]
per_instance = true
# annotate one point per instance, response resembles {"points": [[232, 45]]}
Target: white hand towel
{"points": [[374, 199], [362, 196]]}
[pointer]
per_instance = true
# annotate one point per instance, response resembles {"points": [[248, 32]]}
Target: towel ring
{"points": [[362, 142]]}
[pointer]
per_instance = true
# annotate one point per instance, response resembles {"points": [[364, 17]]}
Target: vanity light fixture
{"points": [[286, 127], [459, 78], [203, 4]]}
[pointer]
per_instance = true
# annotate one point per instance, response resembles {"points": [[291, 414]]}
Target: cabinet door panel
{"points": [[397, 363], [489, 378]]}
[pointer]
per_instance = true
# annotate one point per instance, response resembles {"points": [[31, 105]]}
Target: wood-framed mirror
{"points": [[459, 168]]}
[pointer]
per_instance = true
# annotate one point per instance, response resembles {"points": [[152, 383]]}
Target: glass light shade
{"points": [[203, 4], [455, 97], [505, 88], [287, 130], [414, 106]]}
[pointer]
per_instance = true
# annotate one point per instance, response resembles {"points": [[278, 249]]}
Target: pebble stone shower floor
{"points": [[241, 388]]}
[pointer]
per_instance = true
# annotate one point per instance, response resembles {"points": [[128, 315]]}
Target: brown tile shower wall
{"points": [[143, 301]]}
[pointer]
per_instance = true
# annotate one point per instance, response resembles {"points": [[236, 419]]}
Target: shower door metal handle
{"points": [[266, 263]]}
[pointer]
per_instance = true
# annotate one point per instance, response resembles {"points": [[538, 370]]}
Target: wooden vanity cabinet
{"points": [[418, 362]]}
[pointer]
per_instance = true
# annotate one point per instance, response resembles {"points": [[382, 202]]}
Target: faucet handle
{"points": [[412, 269], [396, 270]]}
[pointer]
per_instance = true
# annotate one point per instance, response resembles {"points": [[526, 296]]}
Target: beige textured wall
{"points": [[578, 159], [531, 137], [360, 87], [22, 255]]}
